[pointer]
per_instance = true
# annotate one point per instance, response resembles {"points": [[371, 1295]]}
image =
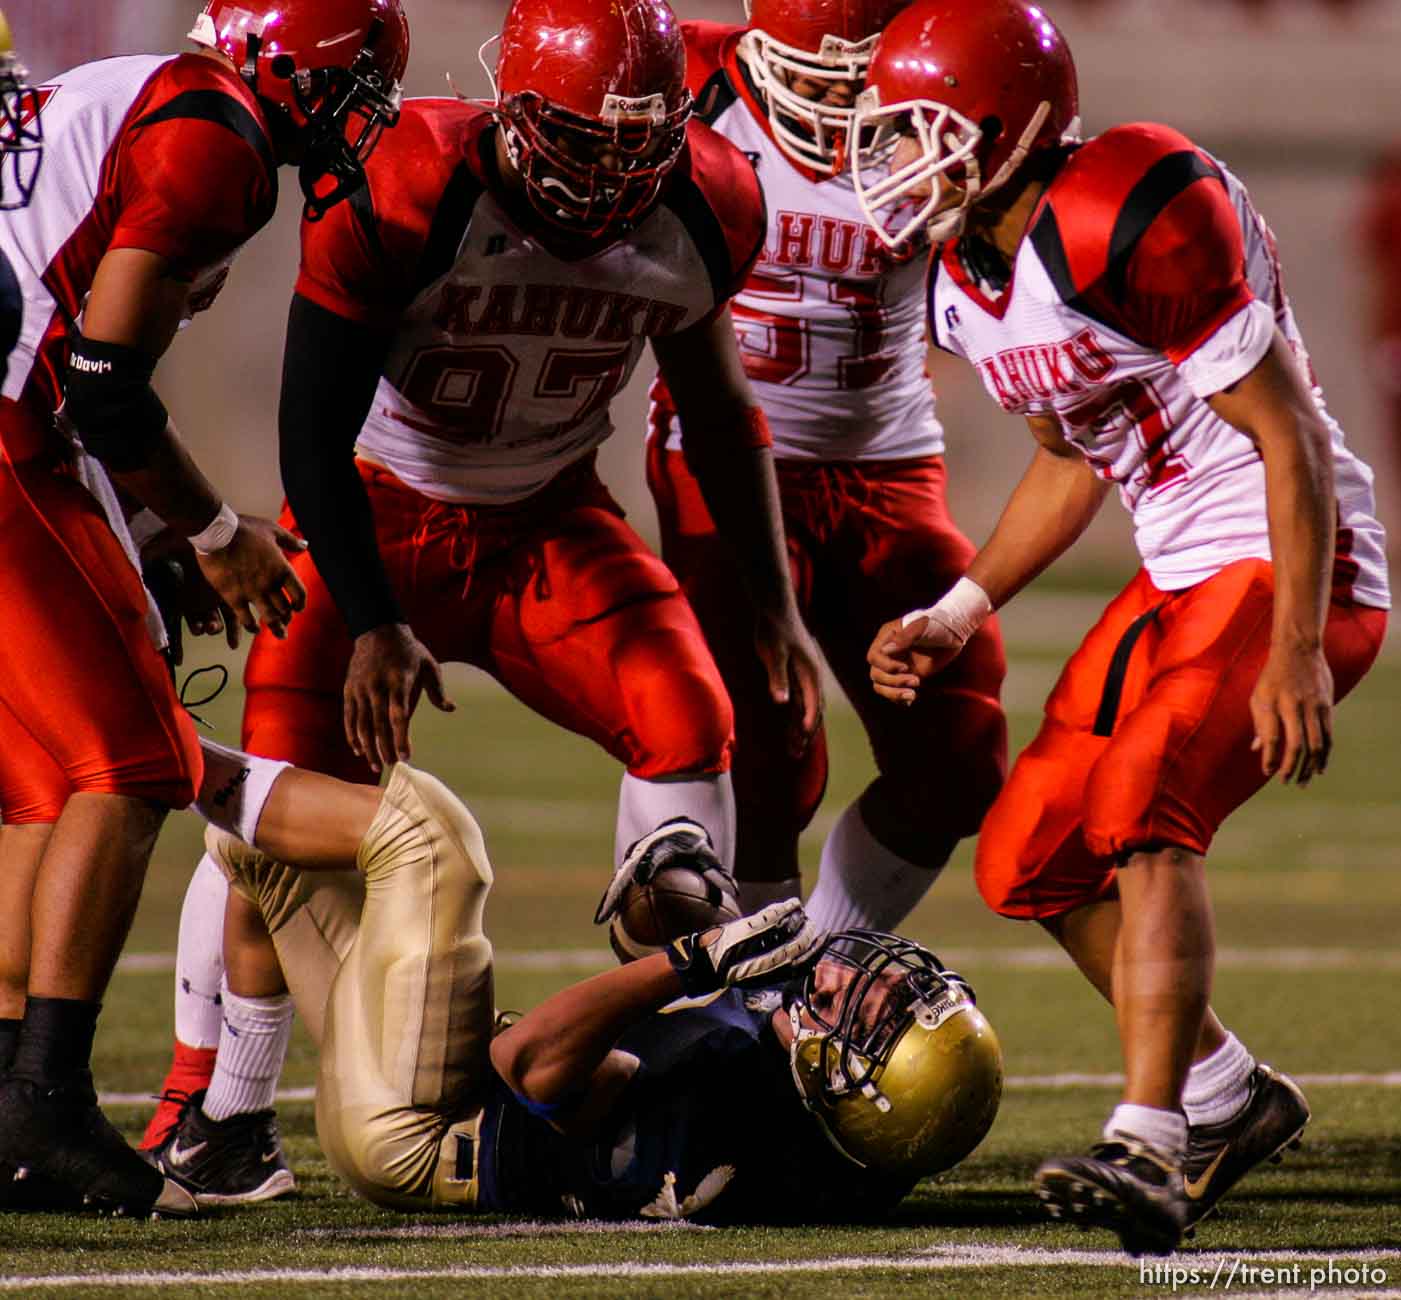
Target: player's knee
{"points": [[685, 724]]}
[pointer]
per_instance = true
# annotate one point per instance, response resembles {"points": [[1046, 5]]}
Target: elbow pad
{"points": [[110, 402]]}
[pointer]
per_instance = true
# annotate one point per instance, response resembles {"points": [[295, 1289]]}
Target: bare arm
{"points": [[562, 1052], [1292, 703], [1049, 508], [137, 302], [702, 369]]}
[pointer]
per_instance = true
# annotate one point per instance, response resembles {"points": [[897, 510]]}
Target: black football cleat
{"points": [[1122, 1184], [1220, 1155], [60, 1138], [234, 1161]]}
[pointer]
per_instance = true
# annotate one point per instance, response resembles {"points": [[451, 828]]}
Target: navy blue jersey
{"points": [[710, 1128]]}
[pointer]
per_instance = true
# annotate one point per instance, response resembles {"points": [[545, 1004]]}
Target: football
{"points": [[676, 901]]}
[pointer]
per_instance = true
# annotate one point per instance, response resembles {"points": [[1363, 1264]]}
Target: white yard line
{"points": [[1013, 1082], [935, 1259]]}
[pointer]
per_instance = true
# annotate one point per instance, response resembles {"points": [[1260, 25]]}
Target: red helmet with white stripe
{"points": [[974, 90], [593, 101], [327, 69], [827, 45]]}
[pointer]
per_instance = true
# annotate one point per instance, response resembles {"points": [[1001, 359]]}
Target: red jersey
{"points": [[170, 154]]}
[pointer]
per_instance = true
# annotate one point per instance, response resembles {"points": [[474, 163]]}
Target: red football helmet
{"points": [[592, 99], [977, 88], [823, 42], [328, 69], [21, 132]]}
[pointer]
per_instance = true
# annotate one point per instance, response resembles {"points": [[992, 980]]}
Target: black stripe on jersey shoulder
{"points": [[449, 228], [686, 199], [715, 96], [362, 208], [1050, 248], [1159, 185], [223, 109]]}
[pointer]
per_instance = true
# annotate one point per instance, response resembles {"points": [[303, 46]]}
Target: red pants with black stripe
{"points": [[86, 701], [867, 541], [555, 596], [1146, 736]]}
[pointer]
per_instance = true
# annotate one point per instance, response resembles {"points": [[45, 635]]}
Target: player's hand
{"points": [[905, 654], [678, 839], [253, 577], [790, 660], [758, 949], [389, 667], [1292, 706], [183, 594]]}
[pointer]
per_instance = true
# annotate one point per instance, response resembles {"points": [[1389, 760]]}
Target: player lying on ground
{"points": [[503, 272], [1124, 296], [597, 1103], [156, 170], [830, 326]]}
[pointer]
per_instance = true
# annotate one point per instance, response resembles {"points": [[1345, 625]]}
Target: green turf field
{"points": [[1309, 911]]}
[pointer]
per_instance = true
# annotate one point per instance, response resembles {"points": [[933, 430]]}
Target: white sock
{"points": [[1164, 1129], [756, 894], [199, 957], [235, 788], [252, 1047], [1220, 1085], [708, 801], [861, 883]]}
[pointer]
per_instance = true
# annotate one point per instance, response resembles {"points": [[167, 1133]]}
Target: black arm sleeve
{"points": [[329, 372]]}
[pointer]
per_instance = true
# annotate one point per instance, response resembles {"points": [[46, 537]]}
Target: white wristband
{"points": [[962, 610], [218, 534]]}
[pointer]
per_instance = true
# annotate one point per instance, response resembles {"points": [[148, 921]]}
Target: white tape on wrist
{"points": [[218, 534], [962, 610]]}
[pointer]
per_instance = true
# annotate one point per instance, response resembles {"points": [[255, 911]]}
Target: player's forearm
{"points": [[741, 493], [329, 374], [1048, 510], [1301, 511], [171, 485], [552, 1053]]}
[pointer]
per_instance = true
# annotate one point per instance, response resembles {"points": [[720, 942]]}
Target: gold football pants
{"points": [[391, 972]]}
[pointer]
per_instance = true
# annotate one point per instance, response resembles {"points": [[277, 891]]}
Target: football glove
{"points": [[758, 949], [676, 842]]}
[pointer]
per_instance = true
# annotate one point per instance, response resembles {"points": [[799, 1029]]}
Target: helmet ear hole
{"points": [[991, 127], [283, 66]]}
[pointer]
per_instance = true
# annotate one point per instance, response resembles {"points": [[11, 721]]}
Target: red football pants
{"points": [[86, 701], [1146, 737], [867, 541], [556, 597]]}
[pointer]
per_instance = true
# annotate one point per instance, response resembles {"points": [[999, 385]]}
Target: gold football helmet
{"points": [[892, 1056], [21, 133]]}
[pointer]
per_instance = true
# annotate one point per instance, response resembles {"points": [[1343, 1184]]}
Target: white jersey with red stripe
{"points": [[505, 354], [1146, 284], [830, 327], [164, 153]]}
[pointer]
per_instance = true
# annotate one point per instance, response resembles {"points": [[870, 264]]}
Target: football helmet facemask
{"points": [[21, 131], [957, 97], [890, 1054], [326, 71], [826, 43], [593, 102]]}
